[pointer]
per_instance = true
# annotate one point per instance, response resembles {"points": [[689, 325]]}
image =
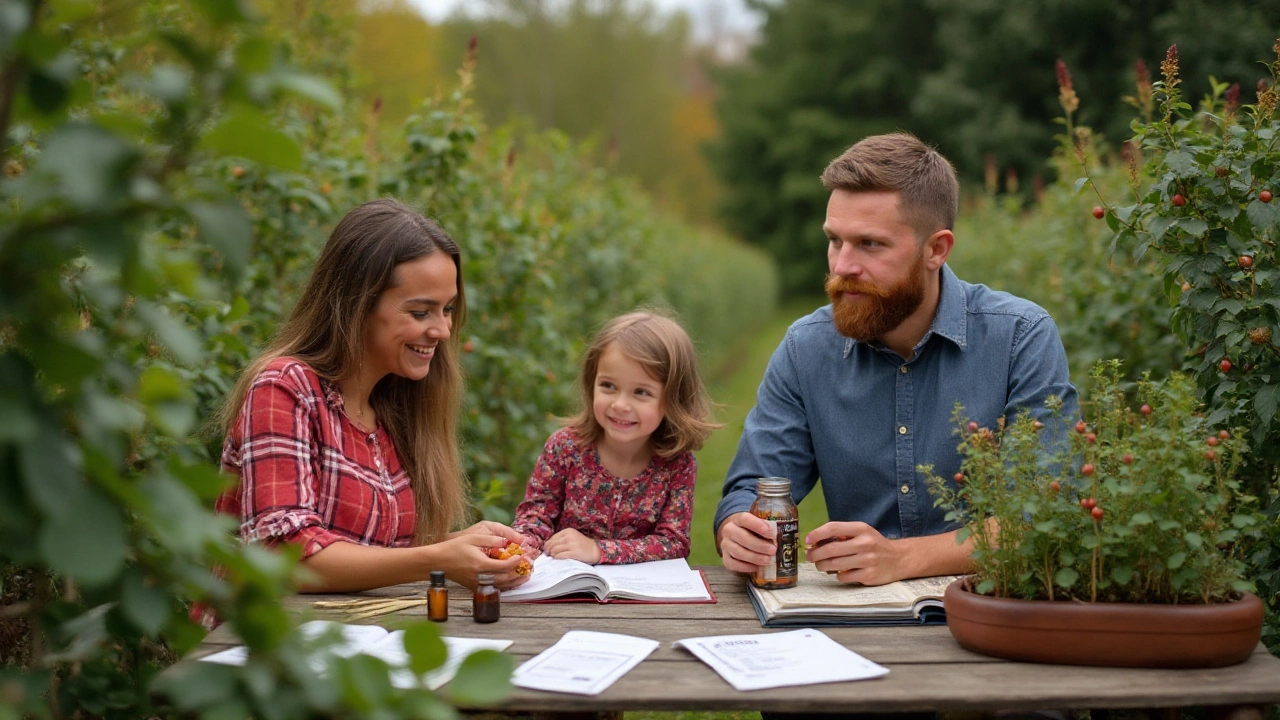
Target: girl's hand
{"points": [[570, 543], [466, 554]]}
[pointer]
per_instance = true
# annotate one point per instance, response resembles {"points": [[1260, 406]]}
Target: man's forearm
{"points": [[931, 555]]}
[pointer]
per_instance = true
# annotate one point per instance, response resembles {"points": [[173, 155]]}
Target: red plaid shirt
{"points": [[643, 518], [308, 475]]}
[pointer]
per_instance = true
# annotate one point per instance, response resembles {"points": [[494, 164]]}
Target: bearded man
{"points": [[862, 391]]}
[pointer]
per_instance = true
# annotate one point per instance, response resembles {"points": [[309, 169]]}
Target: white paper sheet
{"points": [[583, 663], [768, 660], [376, 641]]}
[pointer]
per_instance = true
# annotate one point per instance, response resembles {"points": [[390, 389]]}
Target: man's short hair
{"points": [[899, 162]]}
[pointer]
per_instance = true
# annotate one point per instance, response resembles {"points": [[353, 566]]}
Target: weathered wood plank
{"points": [[928, 670], [913, 687]]}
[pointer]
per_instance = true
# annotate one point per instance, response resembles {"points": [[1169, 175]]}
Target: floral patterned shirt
{"points": [[634, 520], [308, 475]]}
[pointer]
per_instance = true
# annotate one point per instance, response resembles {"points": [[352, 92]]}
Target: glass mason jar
{"points": [[774, 505]]}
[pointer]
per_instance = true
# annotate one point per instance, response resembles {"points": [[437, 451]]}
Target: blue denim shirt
{"points": [[861, 418]]}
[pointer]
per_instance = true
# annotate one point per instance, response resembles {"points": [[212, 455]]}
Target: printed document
{"points": [[376, 641], [583, 663], [798, 657]]}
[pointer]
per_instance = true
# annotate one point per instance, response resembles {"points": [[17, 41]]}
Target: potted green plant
{"points": [[1108, 540]]}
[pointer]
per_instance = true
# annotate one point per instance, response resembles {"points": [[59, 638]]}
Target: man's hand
{"points": [[746, 542], [570, 543], [857, 553]]}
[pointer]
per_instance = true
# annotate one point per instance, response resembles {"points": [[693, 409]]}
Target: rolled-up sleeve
{"points": [[277, 466]]}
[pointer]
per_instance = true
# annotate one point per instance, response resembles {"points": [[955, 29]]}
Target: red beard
{"points": [[879, 310]]}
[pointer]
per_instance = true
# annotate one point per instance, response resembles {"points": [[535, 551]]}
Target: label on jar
{"points": [[769, 572], [786, 561]]}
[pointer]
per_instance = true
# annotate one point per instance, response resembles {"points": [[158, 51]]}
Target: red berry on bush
{"points": [[1081, 427], [1127, 459], [1223, 434], [1245, 261], [973, 426], [1265, 196], [1096, 513], [1212, 441], [1086, 469], [1186, 286], [1037, 425], [1088, 503], [467, 346], [1225, 365], [1178, 200], [1098, 212], [1210, 455], [1091, 438], [959, 478], [1145, 409], [1055, 486]]}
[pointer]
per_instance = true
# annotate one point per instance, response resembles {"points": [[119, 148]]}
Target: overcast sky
{"points": [[709, 16]]}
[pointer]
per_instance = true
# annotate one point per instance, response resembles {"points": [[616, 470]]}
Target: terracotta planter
{"points": [[1108, 634]]}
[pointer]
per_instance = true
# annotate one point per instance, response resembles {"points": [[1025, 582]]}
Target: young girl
{"points": [[616, 484]]}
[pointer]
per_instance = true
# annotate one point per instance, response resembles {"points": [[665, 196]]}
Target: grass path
{"points": [[735, 392]]}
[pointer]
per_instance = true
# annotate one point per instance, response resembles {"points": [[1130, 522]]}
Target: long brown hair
{"points": [[664, 350], [326, 331]]}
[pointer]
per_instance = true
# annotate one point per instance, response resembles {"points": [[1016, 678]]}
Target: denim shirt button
{"points": [[903, 369], [906, 489], [902, 430]]}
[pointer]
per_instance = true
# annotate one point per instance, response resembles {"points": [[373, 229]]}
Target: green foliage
{"points": [[165, 190], [973, 77], [1153, 512], [1209, 216]]}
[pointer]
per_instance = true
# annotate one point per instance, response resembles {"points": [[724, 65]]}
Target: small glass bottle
{"points": [[774, 504], [486, 603], [437, 598]]}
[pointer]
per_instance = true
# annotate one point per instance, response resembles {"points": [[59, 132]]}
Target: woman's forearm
{"points": [[349, 567]]}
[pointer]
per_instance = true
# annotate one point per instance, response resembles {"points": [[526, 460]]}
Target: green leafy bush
{"points": [[166, 186], [1152, 512]]}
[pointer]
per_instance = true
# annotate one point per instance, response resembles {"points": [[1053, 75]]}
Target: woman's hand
{"points": [[465, 555], [490, 527], [570, 543]]}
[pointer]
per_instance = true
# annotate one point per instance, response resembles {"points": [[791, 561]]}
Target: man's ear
{"points": [[937, 247]]}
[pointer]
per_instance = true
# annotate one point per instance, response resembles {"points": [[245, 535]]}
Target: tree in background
{"points": [[973, 77], [614, 71]]}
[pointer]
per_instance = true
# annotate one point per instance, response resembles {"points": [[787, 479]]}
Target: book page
{"points": [[767, 660], [583, 662], [816, 589], [655, 580], [552, 577], [929, 587]]}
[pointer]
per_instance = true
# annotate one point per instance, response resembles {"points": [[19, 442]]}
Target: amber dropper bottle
{"points": [[437, 598], [487, 602]]}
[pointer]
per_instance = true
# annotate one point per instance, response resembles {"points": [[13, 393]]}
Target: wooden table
{"points": [[928, 670]]}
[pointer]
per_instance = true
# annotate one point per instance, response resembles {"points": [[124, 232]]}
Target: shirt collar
{"points": [[950, 320]]}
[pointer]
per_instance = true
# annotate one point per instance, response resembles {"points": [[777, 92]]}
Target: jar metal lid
{"points": [[773, 484], [437, 577], [485, 578]]}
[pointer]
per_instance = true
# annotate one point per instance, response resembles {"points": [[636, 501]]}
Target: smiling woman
{"points": [[343, 433]]}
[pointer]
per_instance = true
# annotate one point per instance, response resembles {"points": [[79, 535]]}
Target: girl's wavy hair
{"points": [[326, 330], [666, 353]]}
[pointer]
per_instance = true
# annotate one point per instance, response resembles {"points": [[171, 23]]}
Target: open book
{"points": [[820, 599], [659, 581], [378, 642]]}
